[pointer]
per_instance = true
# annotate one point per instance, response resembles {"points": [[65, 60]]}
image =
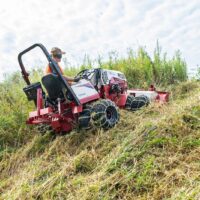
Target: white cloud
{"points": [[97, 27]]}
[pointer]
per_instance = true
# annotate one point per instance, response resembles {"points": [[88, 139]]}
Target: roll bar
{"points": [[53, 65]]}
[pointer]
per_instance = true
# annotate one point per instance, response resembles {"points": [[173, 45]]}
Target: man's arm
{"points": [[70, 79]]}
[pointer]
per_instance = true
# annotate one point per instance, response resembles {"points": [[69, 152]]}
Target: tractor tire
{"points": [[142, 100], [135, 103], [84, 120], [105, 114], [43, 128]]}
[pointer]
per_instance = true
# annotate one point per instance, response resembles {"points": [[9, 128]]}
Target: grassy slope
{"points": [[150, 154]]}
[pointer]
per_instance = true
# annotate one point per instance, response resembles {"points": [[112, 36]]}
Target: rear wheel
{"points": [[105, 114], [135, 103], [84, 118], [43, 128]]}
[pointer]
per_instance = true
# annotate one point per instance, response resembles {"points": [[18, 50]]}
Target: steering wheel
{"points": [[81, 74], [84, 74]]}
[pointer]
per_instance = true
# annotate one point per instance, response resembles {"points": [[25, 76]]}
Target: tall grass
{"points": [[140, 68], [150, 154]]}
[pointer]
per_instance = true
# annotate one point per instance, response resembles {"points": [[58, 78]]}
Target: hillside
{"points": [[151, 154]]}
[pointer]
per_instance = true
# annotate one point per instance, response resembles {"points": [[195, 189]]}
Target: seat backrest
{"points": [[93, 80], [53, 86]]}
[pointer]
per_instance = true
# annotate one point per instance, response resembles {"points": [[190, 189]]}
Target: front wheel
{"points": [[105, 114], [135, 103]]}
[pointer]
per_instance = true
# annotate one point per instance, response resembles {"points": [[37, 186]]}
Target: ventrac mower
{"points": [[94, 101]]}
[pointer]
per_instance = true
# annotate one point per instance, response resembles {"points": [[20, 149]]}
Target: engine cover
{"points": [[85, 91]]}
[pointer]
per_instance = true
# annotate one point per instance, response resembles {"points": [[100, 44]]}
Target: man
{"points": [[56, 54]]}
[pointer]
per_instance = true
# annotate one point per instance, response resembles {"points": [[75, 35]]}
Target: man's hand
{"points": [[77, 79]]}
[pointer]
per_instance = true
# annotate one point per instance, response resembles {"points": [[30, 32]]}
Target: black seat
{"points": [[53, 86], [31, 91]]}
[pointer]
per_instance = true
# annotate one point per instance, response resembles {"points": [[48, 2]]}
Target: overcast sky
{"points": [[96, 27]]}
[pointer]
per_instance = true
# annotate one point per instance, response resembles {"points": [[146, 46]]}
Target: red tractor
{"points": [[93, 101]]}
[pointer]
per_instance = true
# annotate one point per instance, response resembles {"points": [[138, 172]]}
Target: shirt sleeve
{"points": [[48, 70], [61, 69]]}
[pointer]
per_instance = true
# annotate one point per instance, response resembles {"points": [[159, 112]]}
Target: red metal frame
{"points": [[61, 119], [65, 116]]}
